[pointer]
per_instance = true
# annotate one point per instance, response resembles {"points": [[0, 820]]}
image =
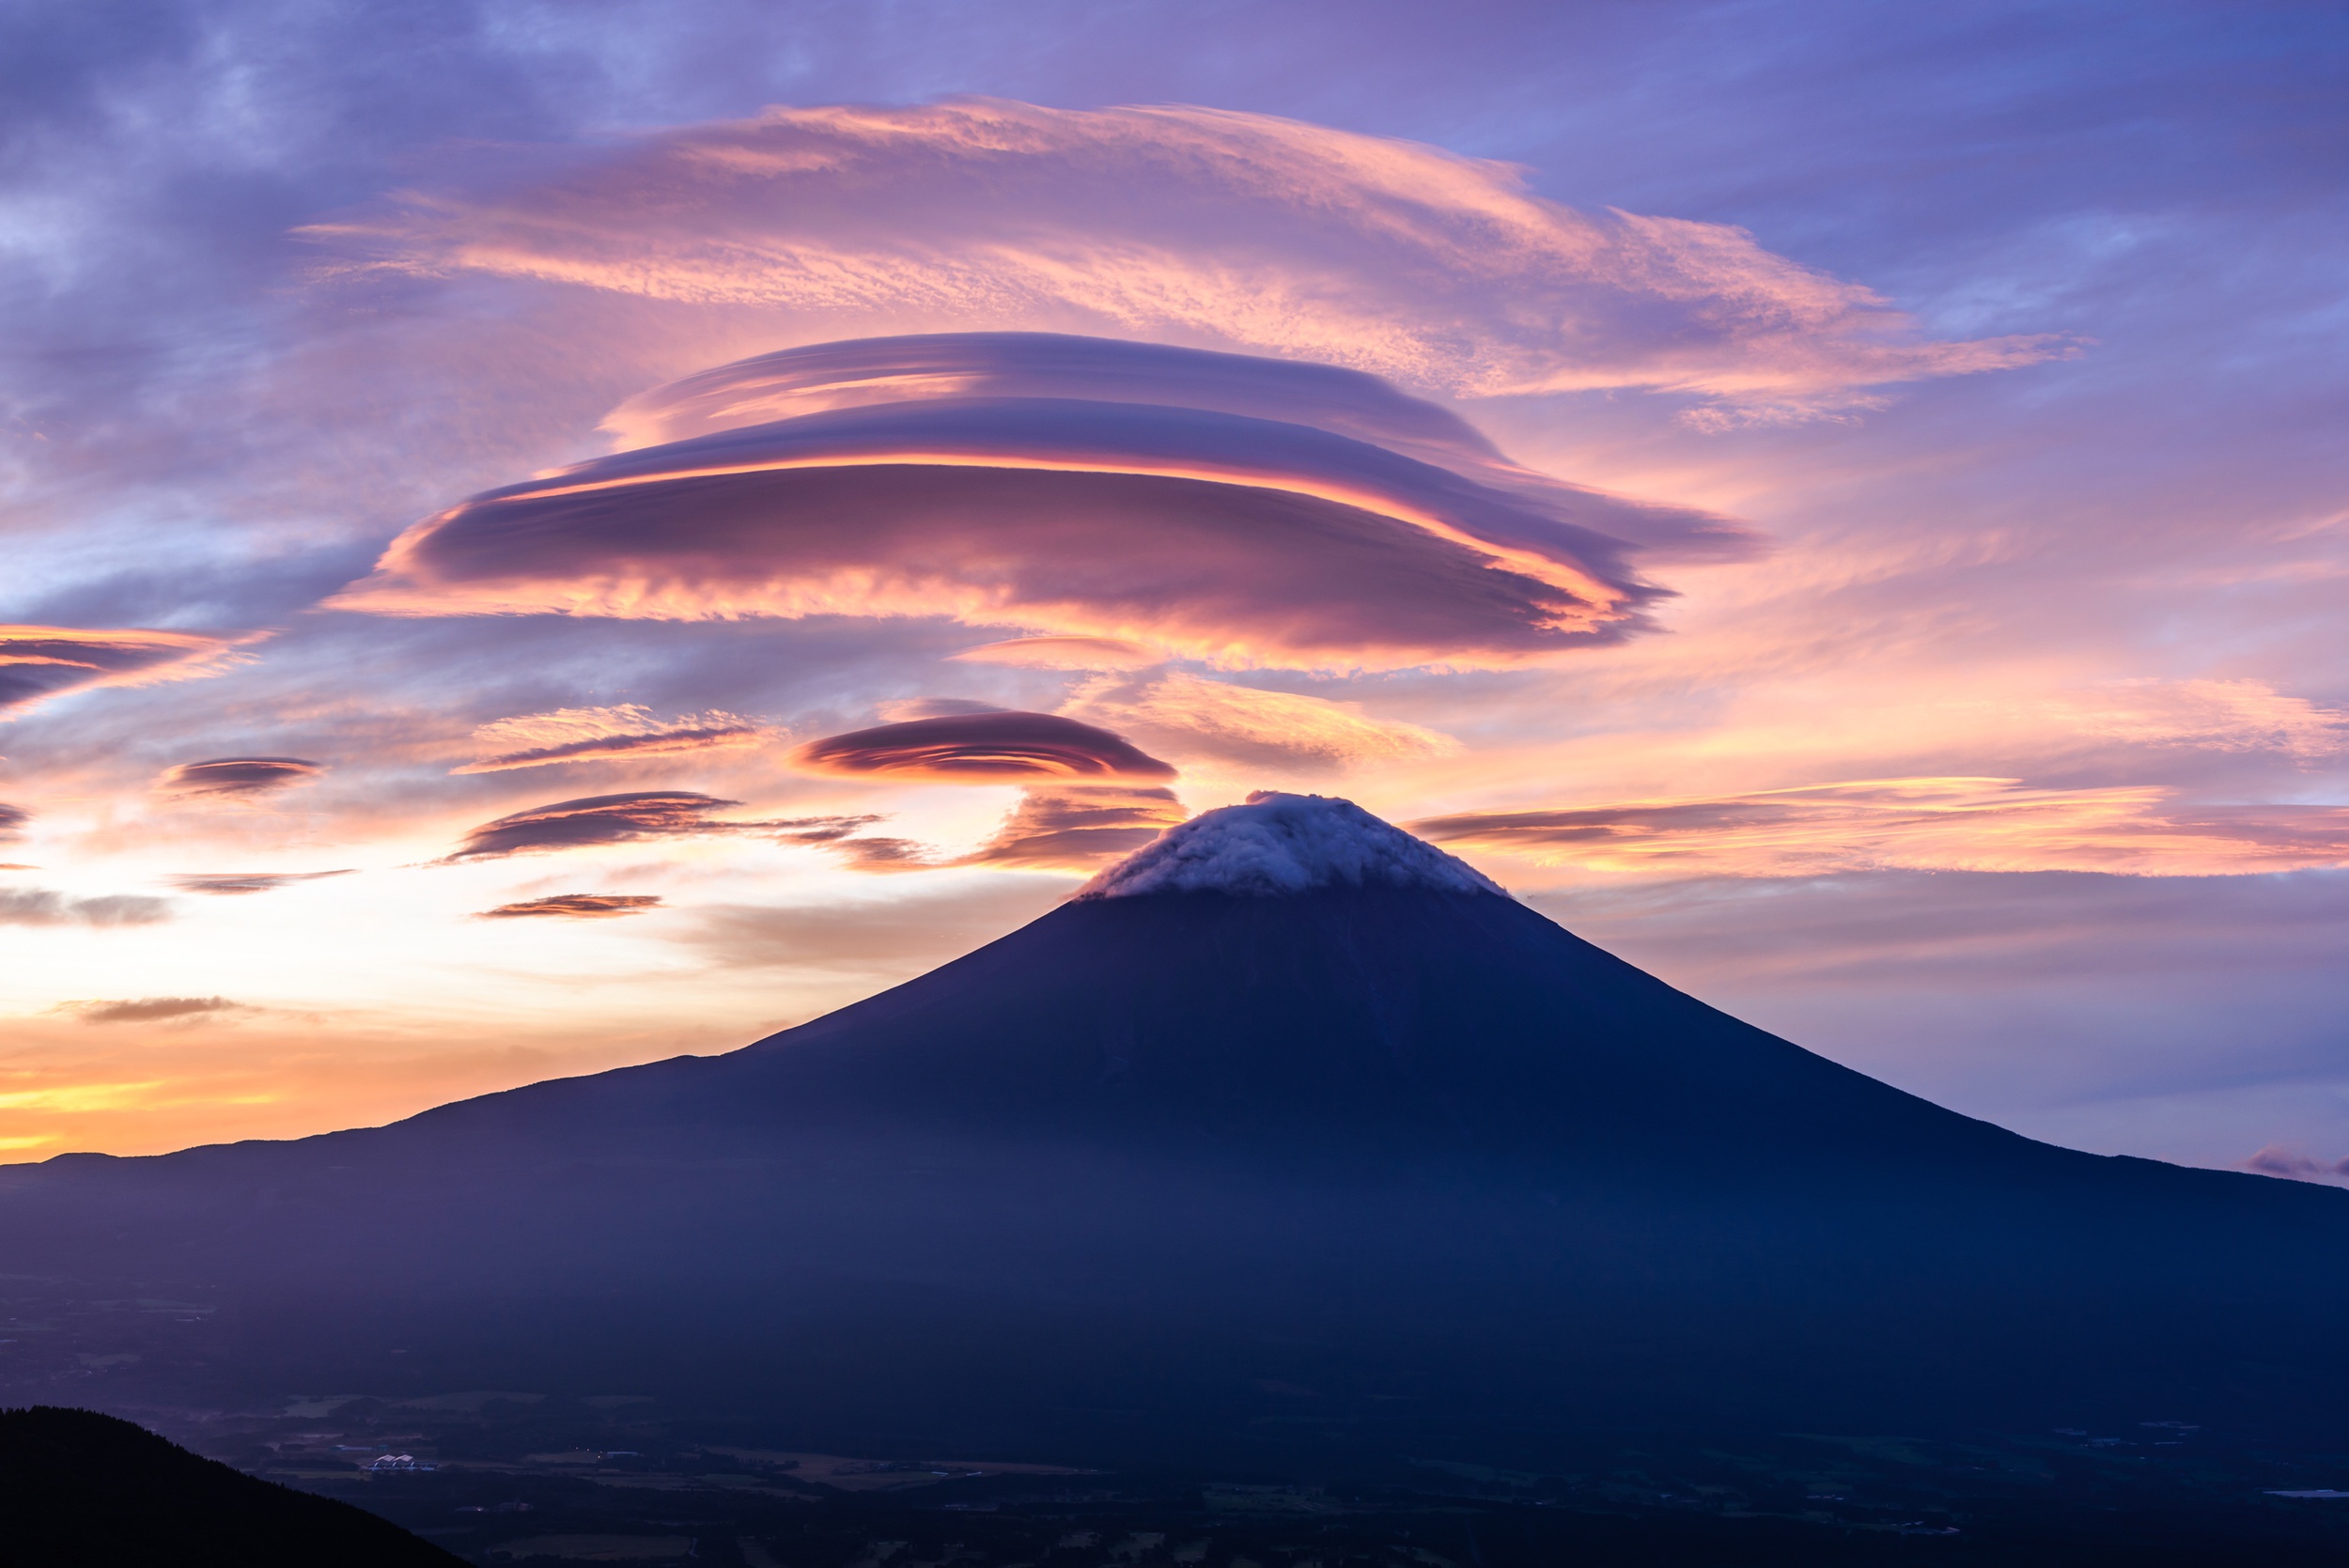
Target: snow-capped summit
{"points": [[1280, 844]]}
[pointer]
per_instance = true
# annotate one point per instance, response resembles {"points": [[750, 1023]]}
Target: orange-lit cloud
{"points": [[576, 905], [1198, 225], [237, 775], [1191, 717], [1227, 537], [1951, 824], [982, 748], [1078, 827], [604, 735], [38, 662]]}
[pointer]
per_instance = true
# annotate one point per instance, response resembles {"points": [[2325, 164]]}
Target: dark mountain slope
{"points": [[82, 1490], [1366, 1121]]}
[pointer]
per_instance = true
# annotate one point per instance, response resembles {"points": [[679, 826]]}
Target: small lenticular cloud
{"points": [[575, 905], [1192, 717], [982, 748], [237, 775], [150, 1009], [597, 820], [229, 884], [38, 662], [604, 735], [12, 820]]}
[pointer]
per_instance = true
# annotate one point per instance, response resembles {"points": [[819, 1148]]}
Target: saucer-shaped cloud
{"points": [[624, 819], [1928, 824], [1223, 537], [38, 662], [1191, 717], [237, 775], [982, 748], [12, 820], [576, 905], [603, 734], [234, 884], [1210, 226], [1077, 827]]}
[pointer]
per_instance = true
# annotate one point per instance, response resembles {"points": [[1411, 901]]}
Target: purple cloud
{"points": [[229, 884], [651, 814], [1229, 537], [982, 748], [39, 662], [237, 775]]}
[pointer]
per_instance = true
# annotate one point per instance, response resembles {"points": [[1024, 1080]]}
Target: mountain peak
{"points": [[1277, 844]]}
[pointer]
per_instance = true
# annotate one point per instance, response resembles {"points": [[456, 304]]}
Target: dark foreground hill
{"points": [[82, 1490], [1293, 1136]]}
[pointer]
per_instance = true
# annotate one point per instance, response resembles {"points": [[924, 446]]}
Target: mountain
{"points": [[82, 1490], [1289, 1118]]}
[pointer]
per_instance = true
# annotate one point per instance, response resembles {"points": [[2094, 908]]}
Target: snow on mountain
{"points": [[1278, 845]]}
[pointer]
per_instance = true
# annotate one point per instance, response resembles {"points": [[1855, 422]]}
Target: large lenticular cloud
{"points": [[1192, 224], [1127, 506]]}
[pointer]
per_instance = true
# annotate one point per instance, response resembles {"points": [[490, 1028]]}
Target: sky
{"points": [[542, 538]]}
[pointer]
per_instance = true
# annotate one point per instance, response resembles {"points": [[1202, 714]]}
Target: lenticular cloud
{"points": [[1070, 489], [1199, 224]]}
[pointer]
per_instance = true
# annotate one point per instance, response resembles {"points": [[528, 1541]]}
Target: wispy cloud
{"points": [[151, 1009], [1189, 715], [1205, 225], [1922, 824], [604, 735], [230, 884], [42, 906]]}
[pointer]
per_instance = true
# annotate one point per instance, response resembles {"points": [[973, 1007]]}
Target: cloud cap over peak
{"points": [[982, 748], [1280, 844]]}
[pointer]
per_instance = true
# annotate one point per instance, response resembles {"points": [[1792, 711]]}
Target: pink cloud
{"points": [[605, 734], [1190, 717], [1227, 537], [1077, 828], [1199, 224]]}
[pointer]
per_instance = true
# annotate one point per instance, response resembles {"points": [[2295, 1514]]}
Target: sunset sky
{"points": [[541, 538]]}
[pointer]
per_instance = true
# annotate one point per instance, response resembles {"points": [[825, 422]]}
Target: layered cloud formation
{"points": [[237, 884], [1917, 824], [626, 818], [982, 748], [1243, 512], [1191, 224], [38, 662]]}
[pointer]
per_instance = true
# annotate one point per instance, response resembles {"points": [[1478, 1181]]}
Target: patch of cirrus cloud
{"points": [[1203, 226]]}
